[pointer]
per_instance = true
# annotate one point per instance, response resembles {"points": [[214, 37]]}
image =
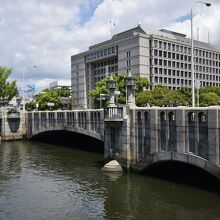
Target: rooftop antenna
{"points": [[197, 34], [111, 26]]}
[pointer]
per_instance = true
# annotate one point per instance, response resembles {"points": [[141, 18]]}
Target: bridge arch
{"points": [[77, 130], [189, 159], [70, 138]]}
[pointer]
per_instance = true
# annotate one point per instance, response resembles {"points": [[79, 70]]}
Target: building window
{"points": [[128, 53]]}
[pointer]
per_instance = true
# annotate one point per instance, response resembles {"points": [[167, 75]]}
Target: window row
{"points": [[180, 82], [111, 69], [185, 66], [178, 73], [173, 81], [101, 53], [185, 58], [168, 63], [185, 49], [105, 63]]}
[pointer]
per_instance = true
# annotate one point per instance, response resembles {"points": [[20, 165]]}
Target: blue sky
{"points": [[87, 11], [47, 32]]}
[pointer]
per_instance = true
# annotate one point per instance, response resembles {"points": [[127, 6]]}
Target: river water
{"points": [[43, 181]]}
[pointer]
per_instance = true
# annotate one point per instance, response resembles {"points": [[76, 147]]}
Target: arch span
{"points": [[190, 159], [70, 139], [77, 130]]}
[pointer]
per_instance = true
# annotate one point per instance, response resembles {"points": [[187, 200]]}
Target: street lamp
{"points": [[192, 48], [101, 97], [111, 88], [23, 96], [130, 88]]}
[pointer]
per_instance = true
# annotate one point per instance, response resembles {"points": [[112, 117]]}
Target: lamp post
{"points": [[111, 87], [23, 96], [101, 97], [117, 93], [130, 88], [192, 48]]}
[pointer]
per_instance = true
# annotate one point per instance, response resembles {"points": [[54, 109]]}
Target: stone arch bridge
{"points": [[136, 137]]}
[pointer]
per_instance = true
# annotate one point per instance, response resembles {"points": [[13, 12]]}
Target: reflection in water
{"points": [[41, 181]]}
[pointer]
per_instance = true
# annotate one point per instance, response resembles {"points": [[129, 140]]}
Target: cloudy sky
{"points": [[46, 33]]}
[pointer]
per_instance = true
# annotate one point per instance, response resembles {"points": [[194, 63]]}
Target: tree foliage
{"points": [[7, 88], [102, 88], [209, 98], [162, 96], [50, 96]]}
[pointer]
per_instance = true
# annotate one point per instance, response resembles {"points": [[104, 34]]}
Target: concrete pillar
{"points": [[47, 119], [213, 135], [1, 117], [55, 122], [130, 95], [102, 122], [154, 131], [77, 119], [39, 123], [107, 142], [125, 152], [133, 134], [65, 119], [33, 122], [180, 131], [88, 120]]}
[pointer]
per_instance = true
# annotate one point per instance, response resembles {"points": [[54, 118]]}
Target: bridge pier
{"points": [[142, 136], [13, 125], [213, 137]]}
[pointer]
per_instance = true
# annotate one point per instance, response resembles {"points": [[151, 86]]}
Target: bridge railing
{"points": [[113, 113], [87, 119], [182, 130]]}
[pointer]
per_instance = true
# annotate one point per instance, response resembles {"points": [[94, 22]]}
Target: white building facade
{"points": [[164, 57]]}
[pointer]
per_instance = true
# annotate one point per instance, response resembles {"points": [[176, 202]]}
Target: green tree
{"points": [[48, 96], [30, 106], [102, 88], [162, 96], [63, 91], [7, 89], [209, 98]]}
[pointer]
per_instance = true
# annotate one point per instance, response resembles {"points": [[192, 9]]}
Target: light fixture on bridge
{"points": [[111, 87], [111, 83], [130, 89], [129, 80]]}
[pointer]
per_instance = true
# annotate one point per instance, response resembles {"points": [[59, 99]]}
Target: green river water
{"points": [[44, 181]]}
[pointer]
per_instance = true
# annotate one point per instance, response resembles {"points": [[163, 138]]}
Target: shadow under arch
{"points": [[72, 139], [184, 173]]}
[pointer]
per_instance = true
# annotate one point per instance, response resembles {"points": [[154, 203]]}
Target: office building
{"points": [[164, 57]]}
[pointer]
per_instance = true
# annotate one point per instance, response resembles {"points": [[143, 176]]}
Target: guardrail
{"points": [[113, 113]]}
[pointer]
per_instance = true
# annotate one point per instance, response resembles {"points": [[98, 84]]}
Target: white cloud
{"points": [[47, 33]]}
